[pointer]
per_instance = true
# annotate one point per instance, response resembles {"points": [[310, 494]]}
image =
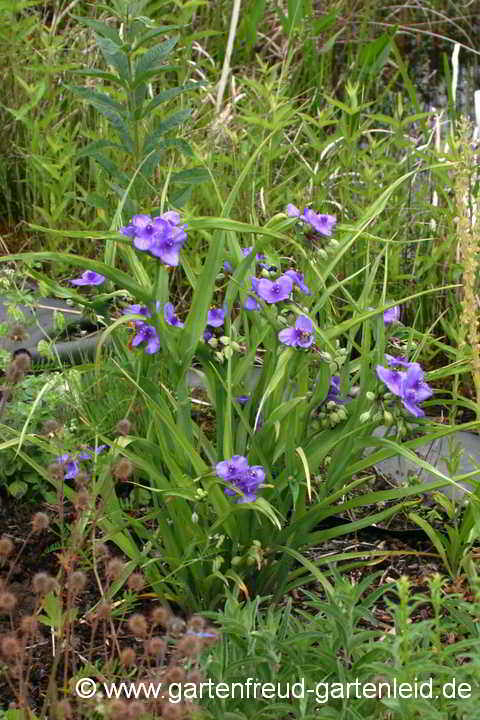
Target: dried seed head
{"points": [[23, 361], [42, 583], [56, 472], [175, 674], [122, 469], [156, 646], [176, 627], [81, 501], [64, 710], [77, 581], [40, 522], [6, 546], [195, 677], [196, 624], [29, 624], [7, 601], [160, 616], [103, 611], [10, 646], [114, 568], [136, 709], [138, 625], [51, 427], [136, 582], [14, 373], [101, 551], [17, 332], [128, 657], [188, 646], [172, 711], [123, 427]]}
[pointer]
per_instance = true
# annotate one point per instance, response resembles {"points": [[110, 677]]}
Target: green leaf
{"points": [[101, 28], [17, 488], [175, 120], [192, 176], [153, 57], [166, 95]]}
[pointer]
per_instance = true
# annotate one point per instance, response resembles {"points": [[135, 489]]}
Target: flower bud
{"points": [[370, 395], [388, 418], [364, 417]]}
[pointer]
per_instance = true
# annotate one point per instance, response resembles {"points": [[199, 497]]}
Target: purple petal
{"points": [[89, 277], [215, 317], [391, 315], [292, 210], [391, 378], [251, 304]]}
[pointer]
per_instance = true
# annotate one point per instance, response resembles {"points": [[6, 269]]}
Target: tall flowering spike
{"points": [[298, 280], [299, 336], [170, 316], [146, 334], [392, 315], [273, 292], [215, 317], [89, 277]]}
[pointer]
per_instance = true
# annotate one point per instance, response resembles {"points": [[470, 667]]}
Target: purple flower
{"points": [[273, 292], [227, 266], [410, 386], [70, 466], [137, 309], [146, 333], [255, 282], [167, 243], [301, 335], [323, 224], [391, 315], [251, 304], [397, 362], [215, 317], [170, 316], [207, 335], [297, 279], [244, 478], [233, 469], [242, 399], [89, 277], [162, 237]]}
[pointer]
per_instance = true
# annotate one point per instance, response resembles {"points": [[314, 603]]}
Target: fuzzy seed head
{"points": [[160, 616], [172, 711], [23, 361], [29, 625], [51, 427], [114, 568], [175, 674], [103, 611], [7, 601], [56, 472], [128, 657], [123, 427], [77, 582], [81, 501], [176, 627], [136, 582], [6, 547], [196, 624], [138, 625], [122, 469], [40, 522], [42, 583], [101, 551], [156, 646], [188, 646], [10, 646]]}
